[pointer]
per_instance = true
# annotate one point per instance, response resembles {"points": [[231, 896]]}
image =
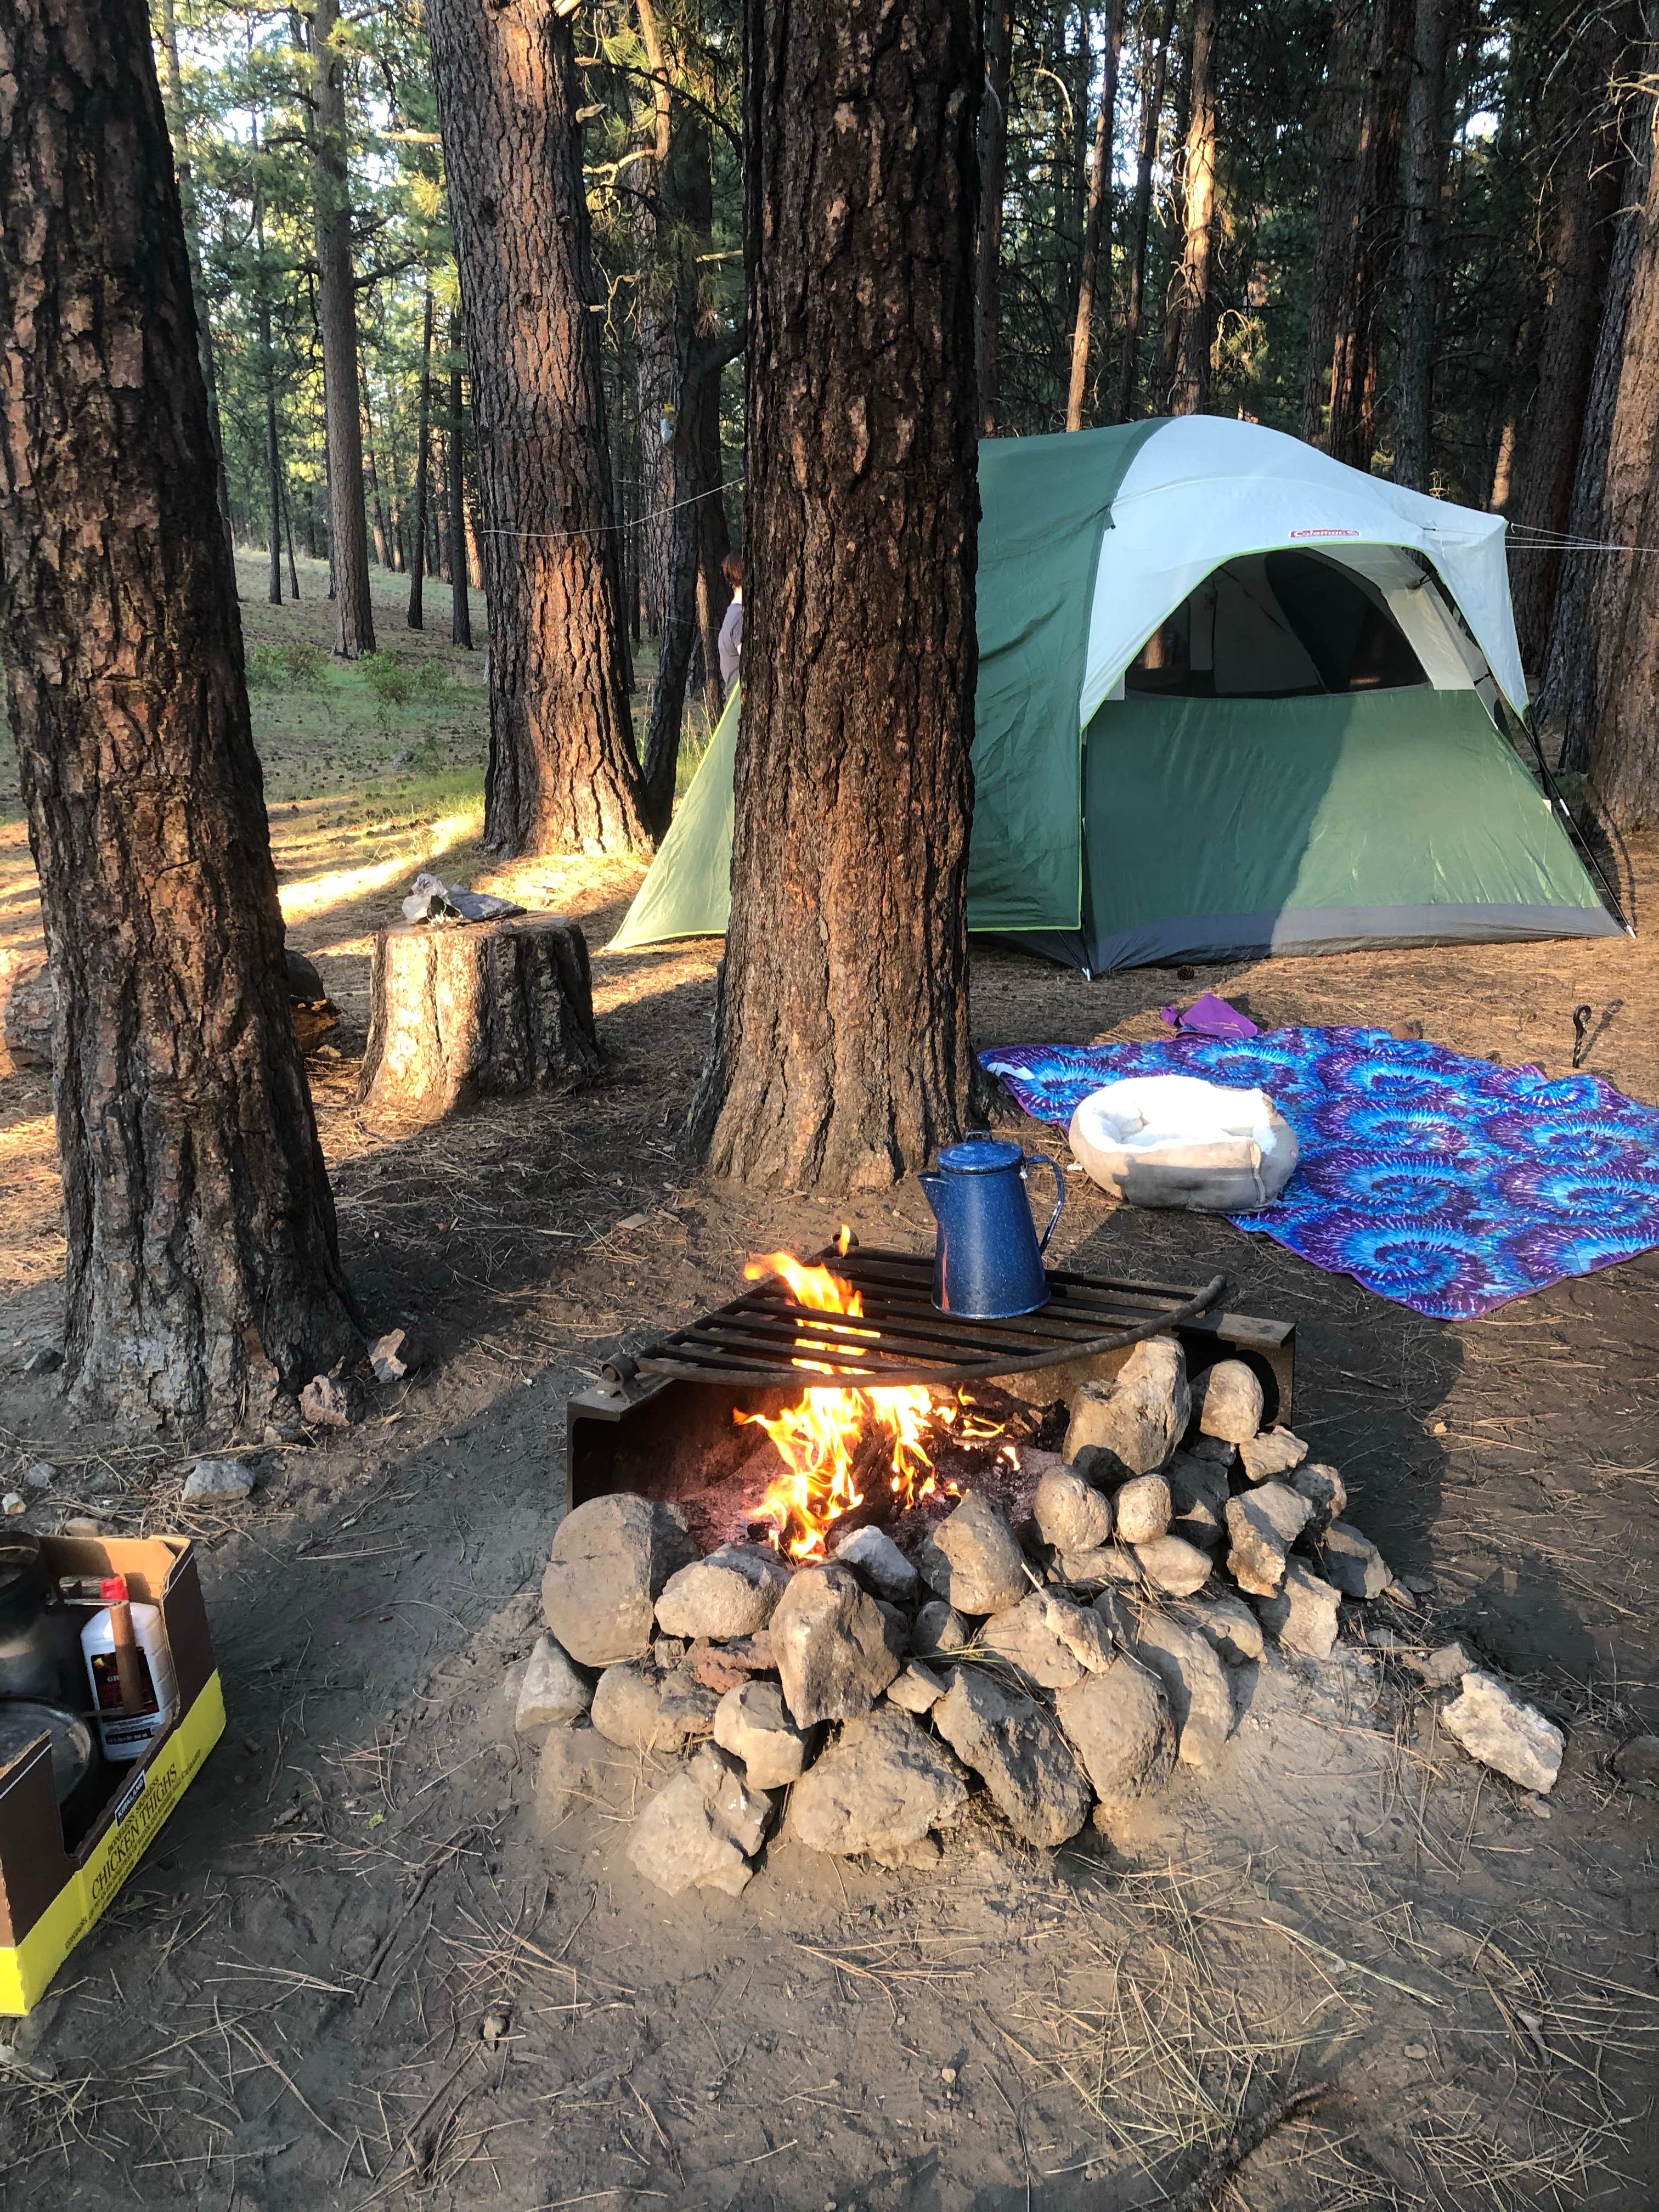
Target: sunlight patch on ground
{"points": [[314, 895]]}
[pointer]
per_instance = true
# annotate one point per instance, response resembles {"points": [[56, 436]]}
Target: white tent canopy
{"points": [[1203, 491]]}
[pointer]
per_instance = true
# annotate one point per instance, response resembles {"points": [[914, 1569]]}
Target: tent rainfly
{"points": [[1234, 698]]}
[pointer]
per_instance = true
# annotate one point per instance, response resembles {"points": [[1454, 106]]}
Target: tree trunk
{"points": [[376, 505], [1624, 752], [268, 378], [1413, 420], [202, 1271], [843, 1054], [174, 104], [1336, 222], [714, 542], [460, 604], [287, 528], [662, 277], [993, 169], [1175, 228], [1614, 456], [337, 317], [563, 770], [1153, 72], [1096, 222], [491, 1008], [1352, 434], [1589, 171], [423, 434], [1197, 307]]}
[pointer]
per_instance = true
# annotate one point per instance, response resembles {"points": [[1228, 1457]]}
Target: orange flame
{"points": [[817, 1437]]}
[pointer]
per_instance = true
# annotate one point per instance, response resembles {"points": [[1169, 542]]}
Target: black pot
{"points": [[39, 1635]]}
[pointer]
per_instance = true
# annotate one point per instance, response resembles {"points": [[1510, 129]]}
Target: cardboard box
{"points": [[48, 1896]]}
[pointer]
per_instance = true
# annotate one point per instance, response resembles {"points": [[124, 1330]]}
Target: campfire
{"points": [[1029, 1557]]}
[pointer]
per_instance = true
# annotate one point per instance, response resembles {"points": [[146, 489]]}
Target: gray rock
{"points": [[937, 1627], [972, 1559], [553, 1694], [1302, 1614], [218, 1482], [610, 1561], [1230, 1401], [1143, 1509], [1107, 1563], [1216, 1450], [1049, 1641], [323, 1404], [734, 1592], [1494, 1726], [1227, 1625], [13, 1503], [1325, 1493], [1194, 1481], [40, 1476], [1117, 1619], [1070, 1513], [1120, 1726], [918, 1689], [1263, 1523], [1440, 1668], [1016, 1745], [1196, 1682], [1143, 1415], [1636, 1763], [1171, 1563], [1348, 1559], [880, 1565], [627, 1708], [833, 1646], [573, 1763], [751, 1724], [741, 1813], [678, 1843], [898, 1626], [46, 1359], [879, 1788], [1275, 1451], [685, 1705]]}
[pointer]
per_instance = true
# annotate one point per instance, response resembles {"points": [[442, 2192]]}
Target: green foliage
{"points": [[387, 677]]}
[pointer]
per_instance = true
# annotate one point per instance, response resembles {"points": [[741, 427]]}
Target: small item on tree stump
{"points": [[500, 1007], [323, 1404], [433, 899]]}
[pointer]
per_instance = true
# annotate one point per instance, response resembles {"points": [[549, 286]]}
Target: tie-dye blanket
{"points": [[1447, 1183]]}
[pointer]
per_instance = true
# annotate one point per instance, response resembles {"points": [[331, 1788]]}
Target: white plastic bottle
{"points": [[135, 1691]]}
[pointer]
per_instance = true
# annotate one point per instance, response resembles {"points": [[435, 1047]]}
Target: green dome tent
{"points": [[1234, 698]]}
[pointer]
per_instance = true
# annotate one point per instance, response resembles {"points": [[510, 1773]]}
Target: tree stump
{"points": [[488, 1008]]}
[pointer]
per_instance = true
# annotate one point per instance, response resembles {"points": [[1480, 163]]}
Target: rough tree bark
{"points": [[563, 770], [1624, 752], [1615, 452], [843, 1054], [1096, 220], [662, 273], [203, 1275], [1414, 413], [1192, 395], [1590, 172], [1336, 220], [337, 321], [993, 171], [268, 377], [417, 617], [460, 604], [1154, 70]]}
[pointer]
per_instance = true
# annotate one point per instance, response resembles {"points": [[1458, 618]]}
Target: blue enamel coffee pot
{"points": [[987, 1263]]}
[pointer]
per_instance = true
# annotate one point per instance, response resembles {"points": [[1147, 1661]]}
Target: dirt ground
{"points": [[283, 2008]]}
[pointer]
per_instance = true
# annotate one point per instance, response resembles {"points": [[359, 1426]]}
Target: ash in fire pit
{"points": [[947, 1604]]}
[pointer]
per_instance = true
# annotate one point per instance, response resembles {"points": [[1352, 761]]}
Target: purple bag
{"points": [[1210, 1017]]}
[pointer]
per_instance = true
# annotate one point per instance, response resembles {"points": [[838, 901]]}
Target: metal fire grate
{"points": [[764, 1338]]}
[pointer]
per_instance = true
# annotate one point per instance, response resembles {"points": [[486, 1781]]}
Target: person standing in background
{"points": [[730, 637]]}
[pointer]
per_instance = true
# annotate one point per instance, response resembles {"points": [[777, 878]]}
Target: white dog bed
{"points": [[1174, 1140]]}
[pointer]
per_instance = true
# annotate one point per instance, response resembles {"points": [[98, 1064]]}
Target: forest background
{"points": [[1387, 227]]}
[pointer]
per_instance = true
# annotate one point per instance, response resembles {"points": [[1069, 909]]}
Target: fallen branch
{"points": [[1246, 2138]]}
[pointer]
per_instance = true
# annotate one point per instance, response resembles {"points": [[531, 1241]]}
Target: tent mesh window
{"points": [[1285, 625]]}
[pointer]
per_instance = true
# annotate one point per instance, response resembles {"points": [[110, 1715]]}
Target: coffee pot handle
{"points": [[1041, 1160]]}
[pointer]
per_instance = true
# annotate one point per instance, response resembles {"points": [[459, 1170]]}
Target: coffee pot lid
{"points": [[980, 1153]]}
